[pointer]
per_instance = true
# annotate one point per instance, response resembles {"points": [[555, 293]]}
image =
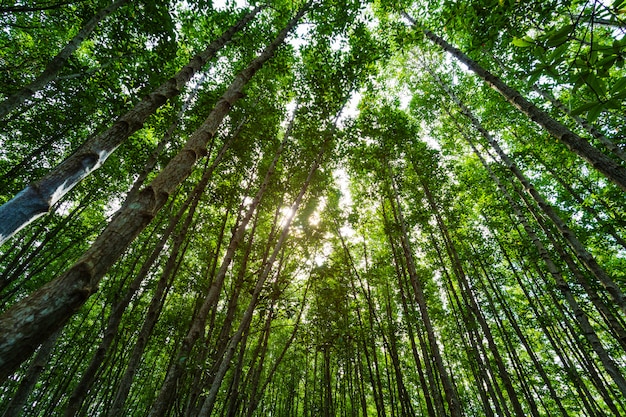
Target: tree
{"points": [[329, 211]]}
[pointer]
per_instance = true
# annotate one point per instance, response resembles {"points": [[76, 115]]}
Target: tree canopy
{"points": [[313, 208]]}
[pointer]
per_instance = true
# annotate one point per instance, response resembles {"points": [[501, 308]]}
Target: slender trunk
{"points": [[406, 408], [540, 311], [608, 224], [197, 327], [57, 301], [468, 294], [234, 398], [209, 402], [21, 261], [581, 317], [512, 320], [377, 386], [477, 365], [612, 170], [583, 123], [610, 145], [115, 318], [222, 338], [36, 199], [581, 252], [454, 405], [55, 65], [18, 400], [418, 362], [257, 393], [401, 274]]}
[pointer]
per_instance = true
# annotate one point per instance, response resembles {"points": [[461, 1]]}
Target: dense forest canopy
{"points": [[313, 208]]}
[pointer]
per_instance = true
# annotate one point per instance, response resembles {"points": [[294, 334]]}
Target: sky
{"points": [[218, 4]]}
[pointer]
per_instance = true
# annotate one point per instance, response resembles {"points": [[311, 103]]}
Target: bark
{"points": [[544, 316], [28, 323], [612, 170], [583, 123], [478, 367], [257, 393], [197, 327], [115, 318], [468, 296], [22, 9], [518, 331], [392, 346], [402, 276], [608, 225], [610, 145], [222, 338], [234, 396], [390, 342], [55, 65], [36, 199], [21, 261], [418, 362], [374, 328]]}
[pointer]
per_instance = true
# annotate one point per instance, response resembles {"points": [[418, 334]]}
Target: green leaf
{"points": [[556, 57], [619, 85], [582, 109], [597, 84], [560, 36], [607, 62], [534, 77], [613, 104], [594, 112], [519, 42], [579, 80]]}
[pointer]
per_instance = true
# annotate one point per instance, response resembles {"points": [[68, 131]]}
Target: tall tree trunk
{"points": [[612, 170], [54, 303], [454, 405], [609, 224], [570, 237], [115, 318], [468, 295], [540, 311], [583, 123], [426, 388], [209, 402], [55, 65], [513, 322], [581, 317], [37, 198], [257, 393], [18, 401], [161, 404]]}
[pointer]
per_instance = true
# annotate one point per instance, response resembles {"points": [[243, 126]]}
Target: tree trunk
{"points": [[454, 405], [581, 317], [257, 393], [37, 198], [54, 303], [468, 295], [612, 170], [55, 65], [581, 252], [209, 402], [161, 404], [115, 318], [40, 361]]}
